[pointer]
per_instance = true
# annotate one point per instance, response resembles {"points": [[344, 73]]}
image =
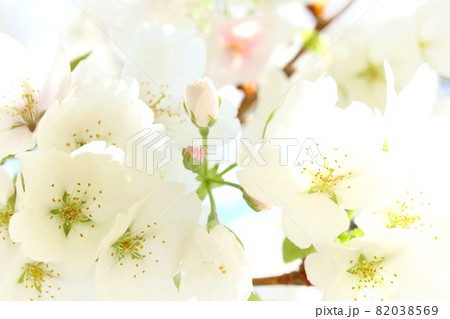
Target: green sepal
{"points": [[237, 237], [212, 222], [6, 158], [23, 182], [11, 202], [55, 212], [202, 192], [291, 252], [22, 277], [65, 197], [204, 131], [190, 163], [77, 60], [251, 202], [67, 227], [177, 280]]}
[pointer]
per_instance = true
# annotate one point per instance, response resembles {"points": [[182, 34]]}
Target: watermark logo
{"points": [[148, 151]]}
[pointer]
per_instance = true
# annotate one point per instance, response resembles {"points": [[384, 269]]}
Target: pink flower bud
{"points": [[202, 102], [197, 152]]}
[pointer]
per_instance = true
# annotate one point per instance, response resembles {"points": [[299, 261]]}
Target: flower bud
{"points": [[202, 102], [193, 157], [255, 204]]}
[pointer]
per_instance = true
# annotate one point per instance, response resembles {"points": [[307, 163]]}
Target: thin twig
{"points": [[321, 24], [294, 278]]}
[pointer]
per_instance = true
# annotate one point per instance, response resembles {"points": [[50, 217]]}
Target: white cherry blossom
{"points": [[28, 88], [69, 204], [214, 266], [139, 257]]}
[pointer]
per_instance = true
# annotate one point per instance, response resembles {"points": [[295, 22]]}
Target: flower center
{"points": [[325, 179], [23, 111], [401, 220], [367, 272], [5, 214], [34, 276], [372, 73], [74, 208], [404, 213], [129, 245], [88, 135]]}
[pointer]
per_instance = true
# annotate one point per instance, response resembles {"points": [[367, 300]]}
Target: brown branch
{"points": [[294, 278], [321, 24], [250, 90]]}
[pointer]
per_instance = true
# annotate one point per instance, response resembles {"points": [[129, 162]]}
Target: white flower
{"points": [[27, 91], [408, 121], [173, 60], [214, 267], [139, 257], [202, 102], [358, 58], [341, 171], [412, 209], [429, 25], [375, 268], [104, 109], [69, 205], [27, 279]]}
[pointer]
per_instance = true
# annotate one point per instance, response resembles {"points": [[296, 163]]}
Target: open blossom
{"points": [[173, 60], [239, 48], [101, 109], [139, 257], [202, 102], [214, 266], [28, 88], [69, 204], [28, 279], [320, 174], [372, 269], [412, 209]]}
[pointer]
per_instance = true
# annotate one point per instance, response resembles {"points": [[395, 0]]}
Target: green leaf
{"points": [[345, 237], [254, 297], [314, 41], [350, 214], [67, 227], [177, 280], [291, 252], [77, 60]]}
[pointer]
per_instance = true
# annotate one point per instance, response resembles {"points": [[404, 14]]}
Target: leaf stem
{"points": [[229, 168]]}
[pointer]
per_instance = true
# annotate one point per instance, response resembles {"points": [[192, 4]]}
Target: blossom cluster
{"points": [[109, 145]]}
